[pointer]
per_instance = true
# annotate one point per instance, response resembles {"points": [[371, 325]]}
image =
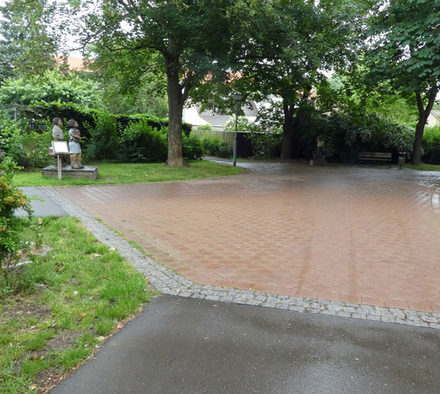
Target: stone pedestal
{"points": [[86, 172]]}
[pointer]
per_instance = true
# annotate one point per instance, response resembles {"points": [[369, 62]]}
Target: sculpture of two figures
{"points": [[74, 139]]}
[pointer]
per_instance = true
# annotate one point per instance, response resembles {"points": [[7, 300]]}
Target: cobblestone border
{"points": [[168, 282]]}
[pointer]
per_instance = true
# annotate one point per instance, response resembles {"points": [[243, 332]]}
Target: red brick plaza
{"points": [[353, 234]]}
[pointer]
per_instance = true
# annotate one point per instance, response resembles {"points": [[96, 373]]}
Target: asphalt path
{"points": [[41, 203], [192, 346]]}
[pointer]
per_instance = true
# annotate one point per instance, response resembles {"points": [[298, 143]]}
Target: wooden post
{"points": [[60, 168]]}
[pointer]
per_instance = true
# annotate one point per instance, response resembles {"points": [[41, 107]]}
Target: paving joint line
{"points": [[168, 282]]}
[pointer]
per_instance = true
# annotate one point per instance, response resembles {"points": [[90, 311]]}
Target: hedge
{"points": [[87, 118]]}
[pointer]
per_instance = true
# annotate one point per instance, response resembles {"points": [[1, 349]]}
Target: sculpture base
{"points": [[86, 172]]}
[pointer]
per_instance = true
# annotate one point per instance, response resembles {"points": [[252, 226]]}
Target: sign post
{"points": [[60, 148]]}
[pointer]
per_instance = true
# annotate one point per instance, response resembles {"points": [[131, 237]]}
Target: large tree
{"points": [[284, 47], [190, 35], [27, 42], [405, 49]]}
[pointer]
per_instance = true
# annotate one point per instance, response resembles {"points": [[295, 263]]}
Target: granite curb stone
{"points": [[168, 282]]}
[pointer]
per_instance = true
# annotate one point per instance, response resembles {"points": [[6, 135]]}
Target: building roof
{"points": [[219, 120], [73, 63]]}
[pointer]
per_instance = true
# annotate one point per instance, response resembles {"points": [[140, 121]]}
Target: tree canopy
{"points": [[27, 46], [191, 37], [50, 87], [284, 47], [405, 50]]}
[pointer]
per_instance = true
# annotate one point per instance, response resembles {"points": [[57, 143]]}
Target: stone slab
{"points": [[86, 172]]}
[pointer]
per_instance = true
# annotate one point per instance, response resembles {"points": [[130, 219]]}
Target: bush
{"points": [[9, 128], [87, 118], [214, 146], [345, 135], [204, 127], [11, 226], [431, 145], [192, 147], [104, 142], [26, 146], [141, 143], [265, 144]]}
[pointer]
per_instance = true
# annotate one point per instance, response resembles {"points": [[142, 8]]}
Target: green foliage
{"points": [[345, 136], [27, 46], [204, 127], [87, 117], [140, 143], [406, 46], [30, 148], [76, 293], [215, 146], [243, 124], [133, 83], [8, 129], [122, 173], [52, 86], [104, 141], [298, 40], [192, 147], [404, 49], [25, 145], [265, 144], [431, 145], [11, 243], [352, 92], [266, 132], [191, 39]]}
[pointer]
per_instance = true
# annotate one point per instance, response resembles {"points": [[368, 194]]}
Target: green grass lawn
{"points": [[114, 173], [57, 310], [424, 167]]}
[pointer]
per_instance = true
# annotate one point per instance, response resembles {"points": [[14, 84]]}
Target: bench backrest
{"points": [[378, 155]]}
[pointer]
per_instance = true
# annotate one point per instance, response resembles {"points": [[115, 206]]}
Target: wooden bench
{"points": [[384, 157]]}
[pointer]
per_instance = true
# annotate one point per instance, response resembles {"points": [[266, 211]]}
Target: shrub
{"points": [[104, 141], [192, 147], [141, 143], [87, 118], [265, 144], [10, 225], [26, 146], [8, 130], [214, 146], [204, 127], [431, 145], [346, 135]]}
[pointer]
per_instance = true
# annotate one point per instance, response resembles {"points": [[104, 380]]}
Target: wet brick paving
{"points": [[359, 242]]}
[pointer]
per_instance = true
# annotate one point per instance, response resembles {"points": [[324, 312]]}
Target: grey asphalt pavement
{"points": [[43, 205], [179, 345]]}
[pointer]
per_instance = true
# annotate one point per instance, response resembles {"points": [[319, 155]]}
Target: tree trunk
{"points": [[417, 147], [175, 109], [288, 133], [420, 128]]}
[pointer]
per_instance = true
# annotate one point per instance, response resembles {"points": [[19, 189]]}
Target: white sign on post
{"points": [[60, 148]]}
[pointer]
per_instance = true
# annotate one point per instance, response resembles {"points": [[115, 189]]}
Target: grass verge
{"points": [[424, 167], [58, 309], [115, 173]]}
